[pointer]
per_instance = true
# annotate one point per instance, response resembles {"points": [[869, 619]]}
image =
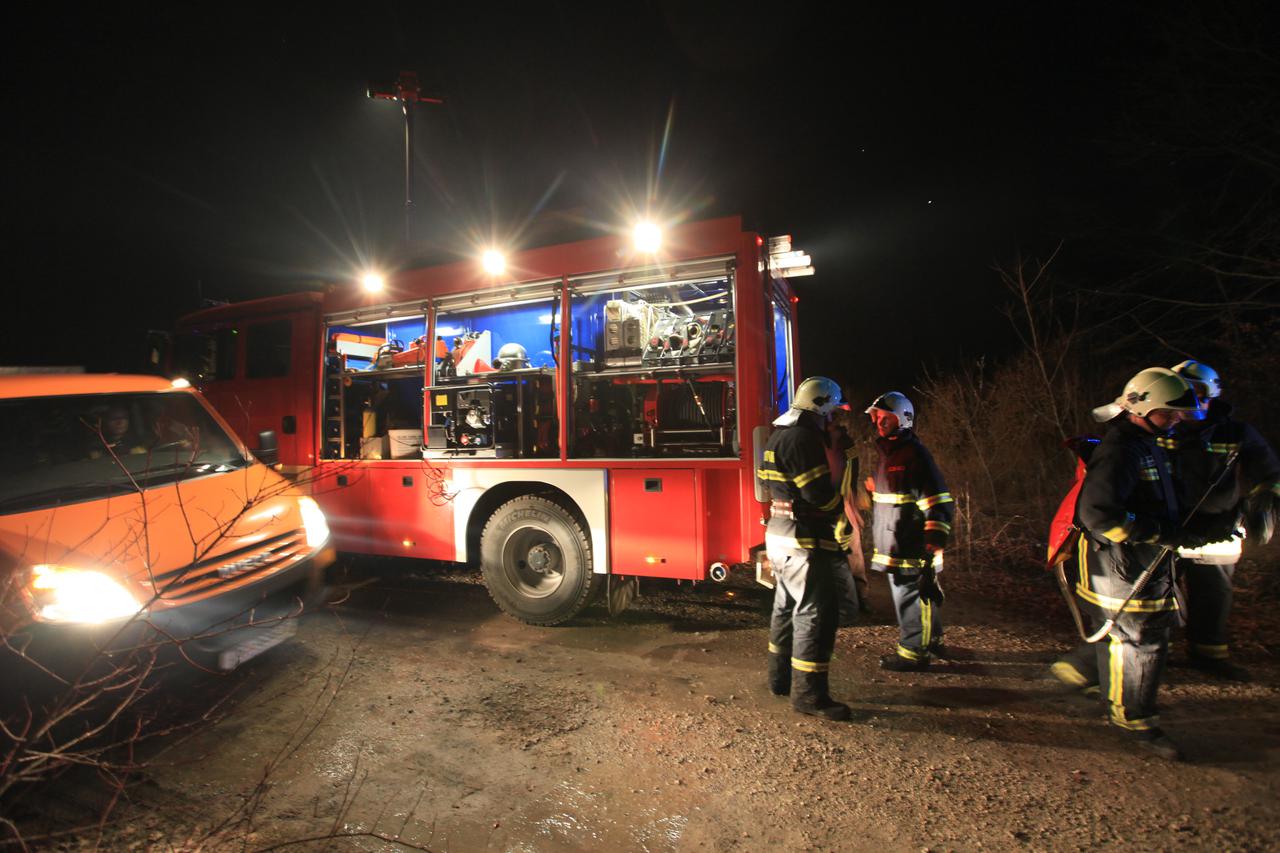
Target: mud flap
{"points": [[622, 590]]}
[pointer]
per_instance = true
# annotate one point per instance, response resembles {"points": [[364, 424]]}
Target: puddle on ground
{"points": [[570, 817]]}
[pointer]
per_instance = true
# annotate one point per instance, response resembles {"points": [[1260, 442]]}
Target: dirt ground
{"points": [[413, 709]]}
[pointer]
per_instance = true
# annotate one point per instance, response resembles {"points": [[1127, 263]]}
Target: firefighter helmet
{"points": [[1204, 380], [817, 394], [1159, 388], [897, 404], [511, 356]]}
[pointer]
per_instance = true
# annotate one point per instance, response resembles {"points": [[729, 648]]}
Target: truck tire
{"points": [[536, 561]]}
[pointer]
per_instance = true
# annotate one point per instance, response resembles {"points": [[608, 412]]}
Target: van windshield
{"points": [[60, 450]]}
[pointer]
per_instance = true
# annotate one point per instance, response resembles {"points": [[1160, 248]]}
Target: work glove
{"points": [[1172, 535], [1261, 512], [931, 587], [1215, 527]]}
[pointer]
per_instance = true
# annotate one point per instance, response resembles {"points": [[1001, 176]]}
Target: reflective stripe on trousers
{"points": [[803, 624], [919, 622]]}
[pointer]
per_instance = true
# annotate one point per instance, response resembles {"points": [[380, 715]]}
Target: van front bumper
{"points": [[216, 633]]}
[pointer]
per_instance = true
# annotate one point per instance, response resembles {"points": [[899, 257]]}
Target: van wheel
{"points": [[536, 561]]}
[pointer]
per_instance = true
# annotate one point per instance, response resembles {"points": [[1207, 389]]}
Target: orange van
{"points": [[131, 515]]}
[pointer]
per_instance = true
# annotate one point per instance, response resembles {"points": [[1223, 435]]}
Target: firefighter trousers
{"points": [[919, 621], [1208, 606], [1126, 665], [803, 626], [846, 592]]}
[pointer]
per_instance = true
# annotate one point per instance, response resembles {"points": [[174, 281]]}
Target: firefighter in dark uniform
{"points": [[801, 544], [1201, 452], [910, 525], [1129, 513]]}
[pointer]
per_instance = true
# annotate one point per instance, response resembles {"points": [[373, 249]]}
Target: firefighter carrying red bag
{"points": [[1130, 521]]}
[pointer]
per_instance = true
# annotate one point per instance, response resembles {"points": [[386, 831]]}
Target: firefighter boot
{"points": [[1223, 668], [779, 674], [1156, 742], [905, 660], [812, 696]]}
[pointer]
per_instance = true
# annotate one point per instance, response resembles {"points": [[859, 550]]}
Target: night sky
{"points": [[157, 156]]}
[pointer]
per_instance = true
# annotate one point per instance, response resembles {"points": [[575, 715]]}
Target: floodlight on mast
{"points": [[406, 90]]}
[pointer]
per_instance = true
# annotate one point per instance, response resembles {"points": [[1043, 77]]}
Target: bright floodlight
{"points": [[373, 283], [494, 262], [647, 237]]}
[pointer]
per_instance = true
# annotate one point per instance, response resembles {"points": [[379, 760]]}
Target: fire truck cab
{"points": [[591, 416]]}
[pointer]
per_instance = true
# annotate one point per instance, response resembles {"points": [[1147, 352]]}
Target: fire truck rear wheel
{"points": [[536, 561]]}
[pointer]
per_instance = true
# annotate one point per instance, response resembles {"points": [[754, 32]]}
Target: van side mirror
{"points": [[268, 451]]}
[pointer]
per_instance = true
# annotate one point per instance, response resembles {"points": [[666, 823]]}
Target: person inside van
{"points": [[112, 433]]}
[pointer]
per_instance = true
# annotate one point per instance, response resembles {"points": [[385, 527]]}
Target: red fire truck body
{"points": [[592, 414]]}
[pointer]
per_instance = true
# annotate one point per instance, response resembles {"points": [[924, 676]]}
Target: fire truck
{"points": [[593, 415]]}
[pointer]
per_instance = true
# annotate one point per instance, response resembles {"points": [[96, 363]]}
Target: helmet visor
{"points": [[1188, 404]]}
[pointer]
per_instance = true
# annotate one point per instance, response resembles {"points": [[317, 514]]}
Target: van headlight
{"points": [[313, 522], [64, 594]]}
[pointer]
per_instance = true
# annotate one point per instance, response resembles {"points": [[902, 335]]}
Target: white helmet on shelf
{"points": [[511, 356]]}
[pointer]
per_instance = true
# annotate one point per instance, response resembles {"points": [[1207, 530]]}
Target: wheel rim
{"points": [[533, 562]]}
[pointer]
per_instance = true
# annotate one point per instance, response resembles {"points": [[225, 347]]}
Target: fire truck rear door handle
{"points": [[407, 482], [653, 484]]}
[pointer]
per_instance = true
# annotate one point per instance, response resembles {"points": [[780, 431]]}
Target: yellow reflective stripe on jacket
{"points": [[810, 665], [1149, 474], [1137, 605], [846, 480], [1274, 488], [770, 456], [1224, 447], [772, 476], [933, 500], [891, 498], [1121, 532], [899, 562], [1226, 548], [802, 480], [937, 525], [1166, 442], [830, 505]]}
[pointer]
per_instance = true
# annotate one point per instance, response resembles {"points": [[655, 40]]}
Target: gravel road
{"points": [[413, 709]]}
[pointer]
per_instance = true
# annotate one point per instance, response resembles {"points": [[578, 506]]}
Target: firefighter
{"points": [[800, 542], [910, 525], [1201, 451], [1129, 514]]}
